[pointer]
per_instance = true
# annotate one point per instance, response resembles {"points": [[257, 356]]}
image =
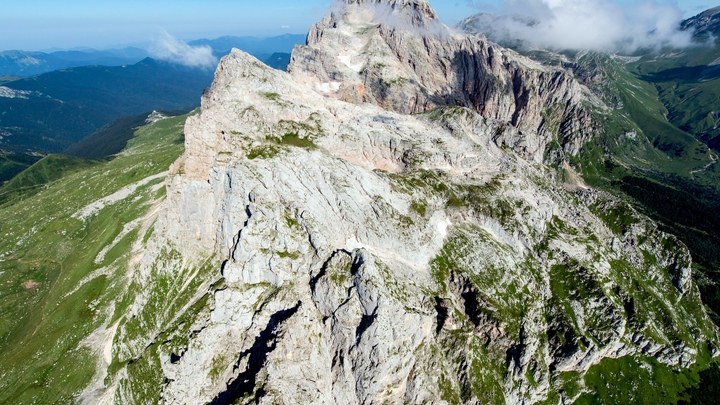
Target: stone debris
{"points": [[155, 117]]}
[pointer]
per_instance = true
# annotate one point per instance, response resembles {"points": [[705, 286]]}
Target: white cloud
{"points": [[600, 25], [171, 49]]}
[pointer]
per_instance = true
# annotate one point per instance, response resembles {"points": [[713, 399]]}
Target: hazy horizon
{"points": [[41, 25], [36, 25]]}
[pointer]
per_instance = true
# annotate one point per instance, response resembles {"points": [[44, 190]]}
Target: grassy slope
{"points": [[668, 174], [657, 146], [689, 86], [13, 163], [53, 292], [46, 170], [108, 140]]}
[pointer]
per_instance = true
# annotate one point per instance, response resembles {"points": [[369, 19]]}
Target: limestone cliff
{"points": [[398, 55], [329, 237]]}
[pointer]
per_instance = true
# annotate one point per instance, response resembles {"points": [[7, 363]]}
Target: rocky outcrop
{"points": [[400, 56], [312, 250], [705, 24]]}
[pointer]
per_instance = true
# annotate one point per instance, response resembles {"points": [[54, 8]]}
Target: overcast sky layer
{"points": [[45, 24]]}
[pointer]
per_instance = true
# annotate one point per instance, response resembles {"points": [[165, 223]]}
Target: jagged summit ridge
{"points": [[706, 22], [418, 13], [356, 57]]}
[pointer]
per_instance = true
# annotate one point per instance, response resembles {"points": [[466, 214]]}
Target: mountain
{"points": [[13, 163], [111, 138], [47, 195], [54, 110], [22, 63], [495, 28], [273, 51], [688, 80], [705, 23], [258, 47], [530, 107], [685, 80], [50, 112], [659, 142], [278, 60], [402, 217]]}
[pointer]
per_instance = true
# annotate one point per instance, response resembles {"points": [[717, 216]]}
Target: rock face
{"points": [[315, 250], [398, 55], [705, 23]]}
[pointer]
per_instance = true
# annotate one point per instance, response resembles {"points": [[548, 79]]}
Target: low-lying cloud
{"points": [[171, 49], [599, 25]]}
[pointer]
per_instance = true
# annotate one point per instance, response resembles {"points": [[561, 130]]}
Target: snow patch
{"points": [[345, 59], [328, 87], [443, 227]]}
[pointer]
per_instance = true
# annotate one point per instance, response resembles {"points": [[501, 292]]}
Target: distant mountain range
{"points": [[274, 52], [686, 81], [261, 48], [50, 112], [71, 94], [24, 63]]}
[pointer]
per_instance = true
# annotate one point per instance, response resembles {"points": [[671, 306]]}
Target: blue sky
{"points": [[44, 24]]}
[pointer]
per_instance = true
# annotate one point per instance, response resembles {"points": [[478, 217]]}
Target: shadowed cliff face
{"points": [[400, 56]]}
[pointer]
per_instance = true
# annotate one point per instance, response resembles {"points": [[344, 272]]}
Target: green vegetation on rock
{"points": [[630, 380], [63, 265]]}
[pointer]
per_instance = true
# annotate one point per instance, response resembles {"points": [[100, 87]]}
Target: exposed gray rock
{"points": [[398, 55], [312, 250]]}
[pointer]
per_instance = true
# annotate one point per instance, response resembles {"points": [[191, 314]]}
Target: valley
{"points": [[69, 107]]}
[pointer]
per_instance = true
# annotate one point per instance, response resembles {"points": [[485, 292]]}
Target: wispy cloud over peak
{"points": [[599, 25], [171, 49], [418, 18]]}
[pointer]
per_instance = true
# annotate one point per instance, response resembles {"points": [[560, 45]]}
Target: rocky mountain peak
{"points": [[707, 22], [398, 55], [416, 13], [377, 226]]}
